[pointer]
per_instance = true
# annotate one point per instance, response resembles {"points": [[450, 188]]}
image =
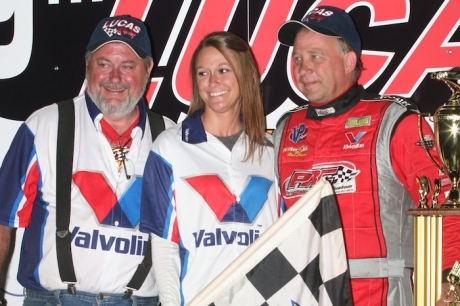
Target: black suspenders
{"points": [[64, 161]]}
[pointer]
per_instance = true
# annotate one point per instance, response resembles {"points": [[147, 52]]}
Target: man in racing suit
{"points": [[367, 146]]}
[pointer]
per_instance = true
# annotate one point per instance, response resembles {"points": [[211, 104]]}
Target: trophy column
{"points": [[428, 220], [428, 256]]}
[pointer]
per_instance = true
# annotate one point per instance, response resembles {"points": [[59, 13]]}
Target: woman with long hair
{"points": [[209, 187]]}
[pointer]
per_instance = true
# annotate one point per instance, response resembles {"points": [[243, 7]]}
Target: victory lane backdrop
{"points": [[42, 46], [407, 39]]}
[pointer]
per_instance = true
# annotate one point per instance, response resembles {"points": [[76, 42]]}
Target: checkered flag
{"points": [[343, 175], [300, 260]]}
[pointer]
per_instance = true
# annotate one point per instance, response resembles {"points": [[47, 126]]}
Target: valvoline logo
{"points": [[226, 206], [104, 202]]}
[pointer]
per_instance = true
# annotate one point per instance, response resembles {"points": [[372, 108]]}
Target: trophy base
{"points": [[450, 205], [433, 212]]}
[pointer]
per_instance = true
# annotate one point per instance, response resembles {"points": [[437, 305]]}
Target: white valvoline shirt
{"points": [[105, 206], [202, 196]]}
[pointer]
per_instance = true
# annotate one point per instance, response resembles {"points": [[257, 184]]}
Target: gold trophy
{"points": [[447, 133], [428, 219]]}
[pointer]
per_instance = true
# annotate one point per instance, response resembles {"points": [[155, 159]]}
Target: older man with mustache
{"points": [[92, 257]]}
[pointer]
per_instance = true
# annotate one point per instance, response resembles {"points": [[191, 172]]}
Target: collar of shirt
{"points": [[192, 128], [338, 106]]}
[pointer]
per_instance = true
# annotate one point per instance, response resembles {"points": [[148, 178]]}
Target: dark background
{"points": [[56, 70]]}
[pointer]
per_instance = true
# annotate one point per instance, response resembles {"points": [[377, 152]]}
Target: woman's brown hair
{"points": [[239, 56]]}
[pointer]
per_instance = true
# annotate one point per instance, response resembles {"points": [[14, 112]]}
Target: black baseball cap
{"points": [[327, 20], [125, 29]]}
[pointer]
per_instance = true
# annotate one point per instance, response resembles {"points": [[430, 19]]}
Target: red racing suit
{"points": [[369, 148]]}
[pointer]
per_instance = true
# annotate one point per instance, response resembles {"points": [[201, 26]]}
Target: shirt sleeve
{"points": [[166, 266], [158, 212], [410, 160], [19, 180]]}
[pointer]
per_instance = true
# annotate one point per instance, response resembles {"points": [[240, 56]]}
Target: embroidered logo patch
{"points": [[428, 141], [341, 175], [354, 141], [298, 133], [296, 152], [355, 122], [325, 112]]}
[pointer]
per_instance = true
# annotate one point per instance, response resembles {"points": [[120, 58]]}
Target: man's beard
{"points": [[121, 110]]}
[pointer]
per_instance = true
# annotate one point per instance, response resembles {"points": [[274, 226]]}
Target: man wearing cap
{"points": [[112, 139], [369, 148]]}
